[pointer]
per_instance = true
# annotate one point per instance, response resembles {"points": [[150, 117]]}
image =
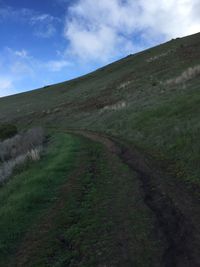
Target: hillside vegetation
{"points": [[124, 185], [150, 99]]}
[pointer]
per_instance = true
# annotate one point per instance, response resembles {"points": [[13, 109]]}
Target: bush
{"points": [[7, 131], [21, 144], [7, 167], [15, 151]]}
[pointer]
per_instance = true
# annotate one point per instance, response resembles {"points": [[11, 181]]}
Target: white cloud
{"points": [[20, 63], [92, 44], [172, 17], [57, 65], [8, 12], [22, 53], [20, 67], [16, 62], [43, 25], [6, 85], [104, 30], [42, 17], [45, 31], [20, 70]]}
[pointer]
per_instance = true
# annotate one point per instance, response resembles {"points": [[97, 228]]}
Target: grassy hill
{"points": [[133, 182]]}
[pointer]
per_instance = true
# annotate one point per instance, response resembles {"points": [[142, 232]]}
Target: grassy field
{"points": [[79, 206], [149, 101]]}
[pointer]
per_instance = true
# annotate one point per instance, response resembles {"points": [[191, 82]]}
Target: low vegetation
{"points": [[66, 213], [7, 131], [19, 149]]}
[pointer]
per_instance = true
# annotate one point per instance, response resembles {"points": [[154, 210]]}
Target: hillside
{"points": [[131, 178]]}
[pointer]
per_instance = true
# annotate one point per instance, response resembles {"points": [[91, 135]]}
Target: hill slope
{"points": [[147, 105], [150, 99]]}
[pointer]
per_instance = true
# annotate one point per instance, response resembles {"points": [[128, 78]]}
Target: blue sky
{"points": [[49, 41]]}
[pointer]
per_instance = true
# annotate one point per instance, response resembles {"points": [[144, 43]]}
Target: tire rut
{"points": [[177, 231]]}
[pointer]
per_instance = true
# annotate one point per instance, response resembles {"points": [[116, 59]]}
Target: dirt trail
{"points": [[176, 211]]}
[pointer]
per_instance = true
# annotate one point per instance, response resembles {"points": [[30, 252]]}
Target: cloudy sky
{"points": [[48, 41]]}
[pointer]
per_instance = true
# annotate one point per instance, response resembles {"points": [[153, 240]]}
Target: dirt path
{"points": [[93, 221], [176, 211], [101, 214]]}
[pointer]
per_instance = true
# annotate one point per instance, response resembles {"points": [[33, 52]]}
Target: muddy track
{"points": [[176, 212]]}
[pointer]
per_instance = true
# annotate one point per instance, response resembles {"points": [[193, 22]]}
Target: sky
{"points": [[48, 41]]}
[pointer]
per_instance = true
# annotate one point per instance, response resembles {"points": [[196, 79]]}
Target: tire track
{"points": [[178, 226]]}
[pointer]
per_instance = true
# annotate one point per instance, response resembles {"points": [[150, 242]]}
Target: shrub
{"points": [[19, 149], [7, 131], [7, 168], [21, 144]]}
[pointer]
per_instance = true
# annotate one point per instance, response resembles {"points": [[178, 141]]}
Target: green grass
{"points": [[168, 130], [98, 211], [28, 194]]}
